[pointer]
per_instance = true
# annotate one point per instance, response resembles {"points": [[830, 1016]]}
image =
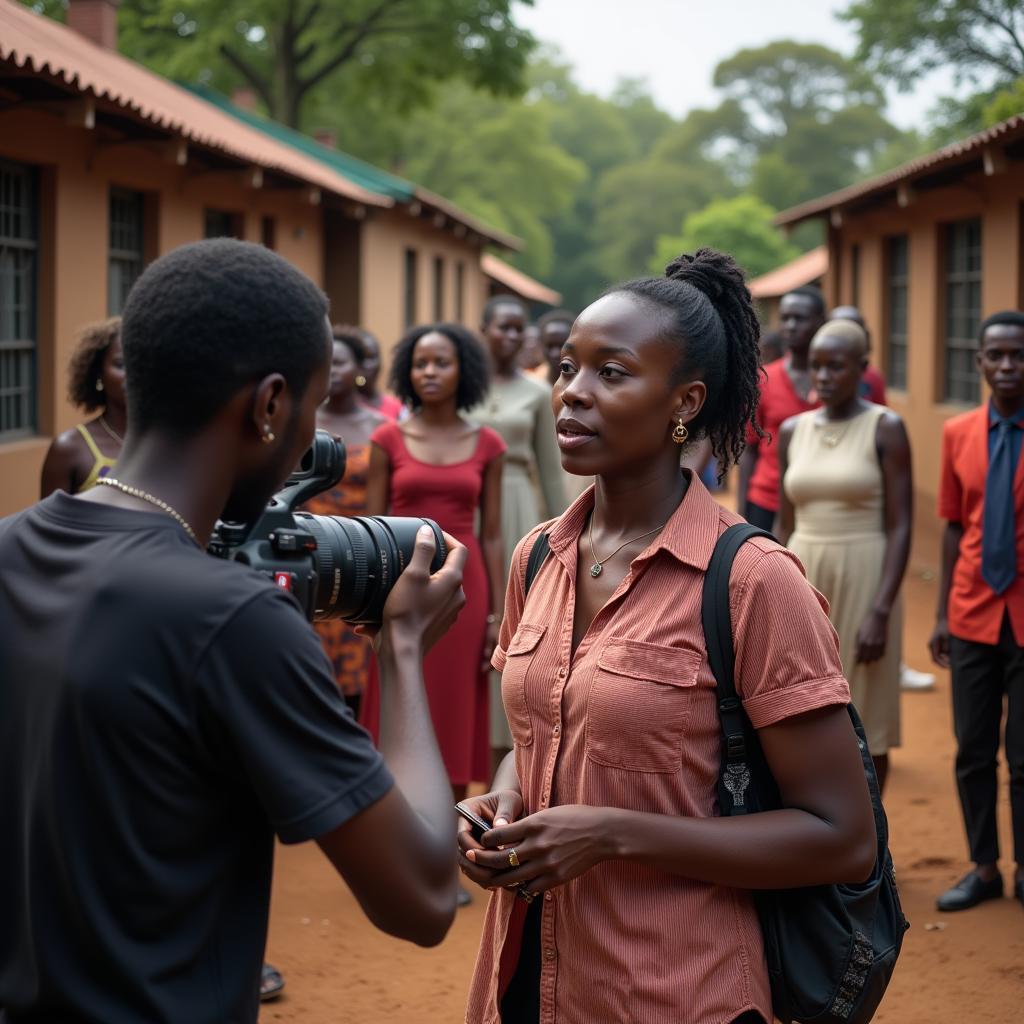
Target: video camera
{"points": [[334, 566]]}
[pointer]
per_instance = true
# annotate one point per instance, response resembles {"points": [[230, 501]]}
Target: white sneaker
{"points": [[911, 679]]}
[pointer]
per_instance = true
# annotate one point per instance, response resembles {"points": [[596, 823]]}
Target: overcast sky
{"points": [[675, 44]]}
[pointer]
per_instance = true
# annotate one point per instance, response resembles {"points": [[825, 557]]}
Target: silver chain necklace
{"points": [[598, 567], [135, 492]]}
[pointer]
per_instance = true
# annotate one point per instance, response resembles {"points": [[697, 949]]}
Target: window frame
{"points": [[410, 282], [960, 381], [128, 262], [21, 352], [897, 334]]}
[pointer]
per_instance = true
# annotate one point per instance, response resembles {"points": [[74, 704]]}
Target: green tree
{"points": [[905, 39], [1005, 104], [497, 158], [741, 226], [288, 49], [806, 108]]}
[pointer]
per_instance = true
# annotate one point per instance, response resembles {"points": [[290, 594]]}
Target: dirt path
{"points": [[955, 968]]}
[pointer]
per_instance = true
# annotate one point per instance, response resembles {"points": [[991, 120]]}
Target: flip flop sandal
{"points": [[271, 983]]}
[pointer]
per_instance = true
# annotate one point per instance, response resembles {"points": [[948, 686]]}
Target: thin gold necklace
{"points": [[110, 430], [135, 492], [598, 567]]}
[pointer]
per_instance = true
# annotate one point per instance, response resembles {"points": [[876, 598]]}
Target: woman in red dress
{"points": [[438, 465]]}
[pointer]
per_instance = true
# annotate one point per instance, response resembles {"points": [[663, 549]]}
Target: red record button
{"points": [[283, 580]]}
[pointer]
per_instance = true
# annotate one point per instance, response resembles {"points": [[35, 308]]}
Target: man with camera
{"points": [[165, 714]]}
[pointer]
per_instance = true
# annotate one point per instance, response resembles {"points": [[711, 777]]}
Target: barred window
{"points": [[963, 310], [460, 291], [19, 241], [126, 257], [898, 286]]}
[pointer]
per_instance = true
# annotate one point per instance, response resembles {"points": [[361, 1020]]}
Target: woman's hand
{"points": [[490, 642], [553, 847], [501, 807], [872, 638]]}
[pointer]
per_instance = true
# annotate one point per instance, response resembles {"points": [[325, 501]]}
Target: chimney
{"points": [[326, 137], [96, 20], [245, 98]]}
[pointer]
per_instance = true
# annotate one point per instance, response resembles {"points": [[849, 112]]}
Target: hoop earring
{"points": [[360, 381], [680, 434], [99, 384]]}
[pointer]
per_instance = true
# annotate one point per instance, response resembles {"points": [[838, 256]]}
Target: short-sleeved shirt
{"points": [[631, 721], [779, 401], [975, 611], [162, 715]]}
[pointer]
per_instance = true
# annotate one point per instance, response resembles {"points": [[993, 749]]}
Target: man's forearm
{"points": [[951, 538], [407, 738]]}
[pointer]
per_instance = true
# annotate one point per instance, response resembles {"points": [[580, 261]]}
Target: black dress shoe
{"points": [[969, 892]]}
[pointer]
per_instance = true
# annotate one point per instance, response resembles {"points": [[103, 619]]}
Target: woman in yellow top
{"points": [[80, 456]]}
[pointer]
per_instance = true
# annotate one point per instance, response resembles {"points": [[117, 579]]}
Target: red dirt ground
{"points": [[956, 968]]}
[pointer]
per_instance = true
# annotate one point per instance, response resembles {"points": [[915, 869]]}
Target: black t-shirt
{"points": [[162, 715]]}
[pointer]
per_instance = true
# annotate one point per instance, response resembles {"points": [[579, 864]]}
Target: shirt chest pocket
{"points": [[521, 653], [639, 703]]}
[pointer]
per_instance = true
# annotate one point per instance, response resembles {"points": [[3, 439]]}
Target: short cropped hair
{"points": [[209, 318], [1006, 318], [496, 302], [556, 316], [86, 366], [813, 293], [474, 369]]}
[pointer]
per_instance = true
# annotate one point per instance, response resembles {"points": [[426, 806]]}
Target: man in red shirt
{"points": [[785, 391], [872, 382], [979, 630]]}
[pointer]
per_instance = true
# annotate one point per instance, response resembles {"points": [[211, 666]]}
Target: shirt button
{"points": [[549, 954], [561, 673], [557, 729], [543, 801], [548, 897]]}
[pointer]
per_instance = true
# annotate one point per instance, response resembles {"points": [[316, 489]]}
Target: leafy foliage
{"points": [[741, 226]]}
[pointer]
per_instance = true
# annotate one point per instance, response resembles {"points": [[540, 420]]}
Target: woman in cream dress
{"points": [[533, 490], [846, 512]]}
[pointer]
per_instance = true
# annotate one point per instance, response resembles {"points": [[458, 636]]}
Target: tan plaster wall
{"points": [[74, 181], [384, 237], [997, 200]]}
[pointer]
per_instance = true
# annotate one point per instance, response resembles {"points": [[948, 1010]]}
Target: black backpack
{"points": [[831, 949]]}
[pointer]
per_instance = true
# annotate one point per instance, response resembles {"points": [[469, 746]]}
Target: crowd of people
{"points": [[143, 781]]}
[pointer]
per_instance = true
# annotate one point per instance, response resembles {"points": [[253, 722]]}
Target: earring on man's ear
{"points": [[680, 434], [360, 381], [99, 383], [268, 434]]}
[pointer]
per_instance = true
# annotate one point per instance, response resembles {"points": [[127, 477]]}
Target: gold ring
{"points": [[513, 858]]}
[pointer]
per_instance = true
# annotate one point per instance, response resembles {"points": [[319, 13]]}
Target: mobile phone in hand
{"points": [[479, 827]]}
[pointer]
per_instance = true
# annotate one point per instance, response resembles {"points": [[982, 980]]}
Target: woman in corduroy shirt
{"points": [[607, 805]]}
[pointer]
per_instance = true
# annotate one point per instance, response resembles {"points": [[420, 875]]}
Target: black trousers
{"points": [[762, 518], [982, 675]]}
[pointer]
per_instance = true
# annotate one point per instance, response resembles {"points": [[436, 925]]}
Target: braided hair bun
{"points": [[713, 322]]}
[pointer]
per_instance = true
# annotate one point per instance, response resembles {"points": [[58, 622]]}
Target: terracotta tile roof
{"points": [[43, 46], [518, 282], [966, 150], [803, 270]]}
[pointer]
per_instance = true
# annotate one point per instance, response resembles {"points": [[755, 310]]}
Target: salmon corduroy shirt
{"points": [[631, 721]]}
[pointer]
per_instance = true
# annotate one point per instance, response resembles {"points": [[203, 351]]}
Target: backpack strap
{"points": [[717, 620], [538, 553]]}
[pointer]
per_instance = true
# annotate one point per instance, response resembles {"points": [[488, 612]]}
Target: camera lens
{"points": [[359, 560]]}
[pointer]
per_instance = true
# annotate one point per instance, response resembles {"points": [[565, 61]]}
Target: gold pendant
{"points": [[596, 569]]}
